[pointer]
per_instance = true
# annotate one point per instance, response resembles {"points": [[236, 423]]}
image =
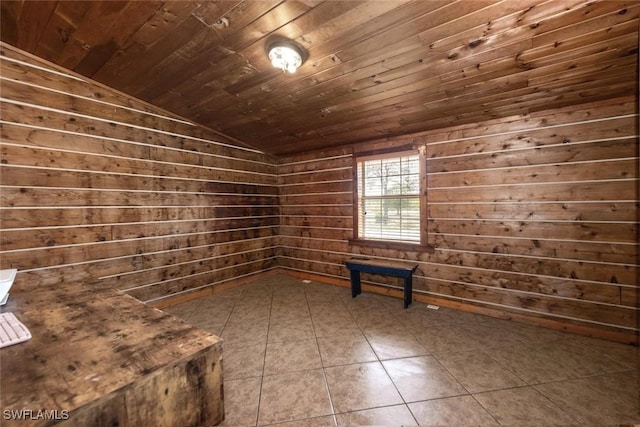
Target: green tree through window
{"points": [[389, 198]]}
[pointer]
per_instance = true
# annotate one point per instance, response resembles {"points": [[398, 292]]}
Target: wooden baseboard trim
{"points": [[210, 290], [609, 335]]}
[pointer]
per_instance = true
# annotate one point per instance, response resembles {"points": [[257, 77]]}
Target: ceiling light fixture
{"points": [[286, 56]]}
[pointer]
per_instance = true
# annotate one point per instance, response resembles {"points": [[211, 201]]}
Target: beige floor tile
{"points": [[203, 315], [249, 315], [417, 320], [183, 310], [491, 334], [394, 343], [315, 298], [343, 291], [328, 421], [331, 326], [581, 362], [244, 335], [345, 349], [294, 396], [254, 298], [242, 311], [327, 312], [324, 309], [234, 292], [446, 339], [554, 361], [253, 304], [462, 317], [243, 362], [291, 295], [535, 335], [415, 309], [610, 399], [291, 356], [286, 287], [216, 304], [365, 302], [360, 386], [396, 304], [241, 398], [477, 371], [422, 378], [532, 365], [398, 415], [256, 294], [444, 316], [624, 354], [437, 352], [290, 330], [375, 320], [318, 286], [292, 301], [523, 407], [214, 326], [283, 281], [281, 313], [451, 411]]}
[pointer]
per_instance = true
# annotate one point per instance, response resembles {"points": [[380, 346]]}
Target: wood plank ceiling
{"points": [[375, 69]]}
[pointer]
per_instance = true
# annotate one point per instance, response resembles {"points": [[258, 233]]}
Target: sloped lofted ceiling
{"points": [[375, 68]]}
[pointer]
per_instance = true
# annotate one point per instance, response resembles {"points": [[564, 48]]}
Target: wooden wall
{"points": [[531, 215], [95, 185], [534, 215]]}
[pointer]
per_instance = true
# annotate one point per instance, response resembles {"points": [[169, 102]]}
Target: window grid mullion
{"points": [[389, 216]]}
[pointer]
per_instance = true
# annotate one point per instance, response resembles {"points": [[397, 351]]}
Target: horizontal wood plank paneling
{"points": [[99, 187], [549, 248], [615, 210], [373, 68], [535, 214], [523, 229]]}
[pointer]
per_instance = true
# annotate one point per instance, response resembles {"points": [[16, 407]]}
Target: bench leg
{"points": [[408, 291], [355, 283]]}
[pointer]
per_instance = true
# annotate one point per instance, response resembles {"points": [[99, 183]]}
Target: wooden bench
{"points": [[388, 268]]}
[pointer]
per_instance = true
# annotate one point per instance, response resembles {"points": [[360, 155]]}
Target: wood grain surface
{"points": [[106, 359], [375, 68]]}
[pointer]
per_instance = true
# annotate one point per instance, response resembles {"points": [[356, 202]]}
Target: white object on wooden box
{"points": [[6, 281]]}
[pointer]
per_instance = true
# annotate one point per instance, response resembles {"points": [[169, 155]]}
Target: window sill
{"points": [[399, 246]]}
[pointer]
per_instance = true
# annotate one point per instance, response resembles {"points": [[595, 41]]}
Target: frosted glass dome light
{"points": [[285, 56]]}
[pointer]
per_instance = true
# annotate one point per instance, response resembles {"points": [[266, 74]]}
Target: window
{"points": [[390, 206]]}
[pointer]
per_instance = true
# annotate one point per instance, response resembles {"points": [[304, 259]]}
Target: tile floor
{"points": [[309, 355]]}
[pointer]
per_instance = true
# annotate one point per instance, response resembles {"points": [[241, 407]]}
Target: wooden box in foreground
{"points": [[101, 358]]}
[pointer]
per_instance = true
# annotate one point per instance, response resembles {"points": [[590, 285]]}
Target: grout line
{"points": [[379, 360], [485, 409], [324, 372], [266, 345], [567, 414], [342, 302]]}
